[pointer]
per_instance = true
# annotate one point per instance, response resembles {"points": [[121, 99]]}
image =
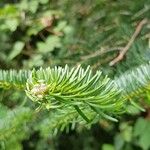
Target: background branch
{"points": [[132, 39]]}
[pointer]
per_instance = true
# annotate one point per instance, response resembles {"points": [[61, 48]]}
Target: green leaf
{"points": [[108, 147], [139, 127], [144, 140], [60, 26], [36, 60], [142, 132], [8, 10], [50, 44], [119, 142], [12, 24], [43, 1], [126, 132], [16, 50], [3, 111], [33, 6], [23, 5]]}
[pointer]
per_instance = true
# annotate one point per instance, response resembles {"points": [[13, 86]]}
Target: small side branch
{"points": [[100, 52], [132, 39]]}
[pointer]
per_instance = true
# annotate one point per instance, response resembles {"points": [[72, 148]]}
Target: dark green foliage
{"points": [[12, 123]]}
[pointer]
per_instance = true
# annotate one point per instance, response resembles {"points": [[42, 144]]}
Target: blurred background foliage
{"points": [[36, 33]]}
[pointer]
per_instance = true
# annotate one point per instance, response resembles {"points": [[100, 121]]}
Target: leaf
{"points": [[142, 131], [60, 26], [9, 10], [23, 5], [144, 141], [119, 142], [50, 44], [36, 60], [139, 127], [3, 111], [33, 6], [43, 1], [16, 50], [12, 24], [126, 132], [108, 147]]}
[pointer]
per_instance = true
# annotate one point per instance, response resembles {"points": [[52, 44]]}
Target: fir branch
{"points": [[87, 94], [126, 48], [135, 81], [58, 87], [13, 120], [13, 78]]}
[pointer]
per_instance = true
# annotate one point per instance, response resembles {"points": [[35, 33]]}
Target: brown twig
{"points": [[132, 39], [95, 66], [100, 52]]}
